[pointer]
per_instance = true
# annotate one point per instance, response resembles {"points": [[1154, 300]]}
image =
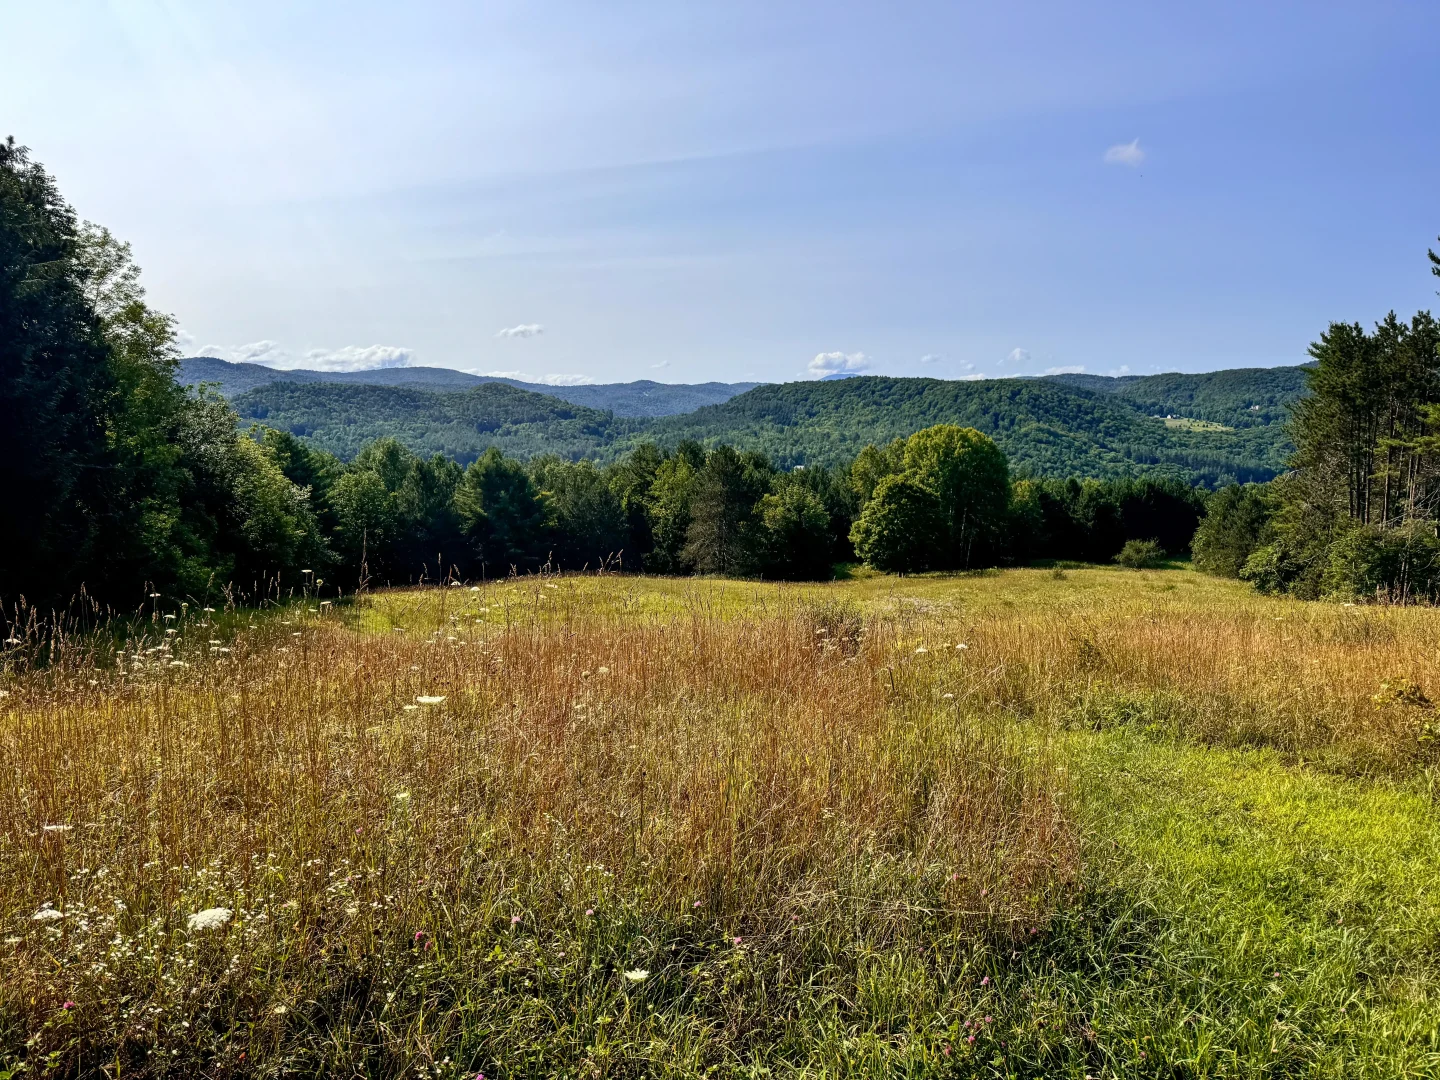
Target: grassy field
{"points": [[1035, 823]]}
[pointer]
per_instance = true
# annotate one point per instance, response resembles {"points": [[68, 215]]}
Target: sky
{"points": [[583, 192]]}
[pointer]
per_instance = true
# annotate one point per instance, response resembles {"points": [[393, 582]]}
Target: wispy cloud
{"points": [[349, 358], [931, 358], [359, 358], [544, 380], [1123, 369], [661, 364], [976, 377], [1018, 356], [838, 363], [1072, 369], [1125, 154], [524, 330]]}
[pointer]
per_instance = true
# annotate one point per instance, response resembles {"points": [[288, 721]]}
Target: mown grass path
{"points": [[1245, 917]]}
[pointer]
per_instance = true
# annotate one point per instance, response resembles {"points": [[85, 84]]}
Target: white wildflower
{"points": [[280, 1010], [948, 697], [410, 708], [637, 974], [430, 699], [47, 914], [209, 919], [962, 645], [58, 828], [920, 650], [602, 670], [402, 796]]}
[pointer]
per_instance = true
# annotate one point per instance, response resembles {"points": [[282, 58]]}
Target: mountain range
{"points": [[1208, 428]]}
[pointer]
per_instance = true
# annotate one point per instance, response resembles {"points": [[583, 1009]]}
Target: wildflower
{"points": [[636, 975], [47, 914], [737, 940], [12, 641], [402, 796], [68, 1005], [602, 670], [209, 919], [208, 610], [410, 708], [696, 904], [589, 911], [419, 934], [985, 981], [962, 645], [920, 650], [514, 919], [58, 828], [946, 1050], [280, 1010], [948, 697], [433, 699]]}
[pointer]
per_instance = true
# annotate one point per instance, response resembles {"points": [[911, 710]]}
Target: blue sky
{"points": [[747, 190]]}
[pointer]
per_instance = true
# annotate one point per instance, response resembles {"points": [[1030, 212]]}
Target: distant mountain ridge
{"points": [[641, 398]]}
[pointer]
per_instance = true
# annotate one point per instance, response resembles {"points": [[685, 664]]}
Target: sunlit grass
{"points": [[1030, 823]]}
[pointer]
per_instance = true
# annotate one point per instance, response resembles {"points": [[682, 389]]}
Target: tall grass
{"points": [[565, 837]]}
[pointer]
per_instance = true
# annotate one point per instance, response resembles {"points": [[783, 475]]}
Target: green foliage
{"points": [[503, 514], [1140, 554], [797, 529], [1236, 397], [1236, 522], [589, 526], [898, 528], [970, 477], [460, 424], [1398, 565], [724, 535], [1092, 520]]}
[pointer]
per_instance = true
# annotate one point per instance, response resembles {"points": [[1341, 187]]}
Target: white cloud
{"points": [[260, 352], [1125, 154], [185, 340], [546, 380], [931, 358], [838, 363], [1073, 369], [349, 358], [972, 378], [1123, 369], [533, 329], [358, 358], [1018, 356], [661, 364]]}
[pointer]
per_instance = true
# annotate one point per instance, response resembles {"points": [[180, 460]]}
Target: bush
{"points": [[1139, 554]]}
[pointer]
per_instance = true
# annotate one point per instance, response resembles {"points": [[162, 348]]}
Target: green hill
{"points": [[1046, 427], [1237, 397], [641, 398], [460, 424]]}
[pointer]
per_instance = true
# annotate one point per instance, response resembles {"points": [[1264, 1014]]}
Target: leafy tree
{"points": [[632, 480], [898, 529], [722, 537], [797, 539], [670, 501], [502, 513], [1237, 521], [971, 479], [57, 391], [588, 525]]}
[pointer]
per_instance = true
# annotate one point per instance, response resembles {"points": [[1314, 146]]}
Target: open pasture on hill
{"points": [[1032, 823]]}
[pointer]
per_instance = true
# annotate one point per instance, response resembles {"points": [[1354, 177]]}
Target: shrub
{"points": [[1139, 554]]}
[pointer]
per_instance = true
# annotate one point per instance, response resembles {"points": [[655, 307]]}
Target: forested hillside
{"points": [[641, 398], [1237, 397], [461, 424], [1046, 428]]}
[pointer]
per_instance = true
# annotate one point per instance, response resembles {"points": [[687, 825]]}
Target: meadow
{"points": [[1070, 822]]}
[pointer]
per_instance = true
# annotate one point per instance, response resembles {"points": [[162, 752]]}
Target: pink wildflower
{"points": [[589, 911], [737, 941], [68, 1005], [419, 934], [514, 919], [985, 981]]}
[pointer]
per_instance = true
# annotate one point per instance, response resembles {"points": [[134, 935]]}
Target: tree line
{"points": [[121, 483], [1358, 514]]}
